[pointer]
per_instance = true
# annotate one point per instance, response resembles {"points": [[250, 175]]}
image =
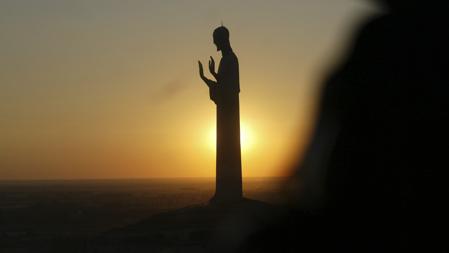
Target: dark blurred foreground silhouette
{"points": [[376, 175]]}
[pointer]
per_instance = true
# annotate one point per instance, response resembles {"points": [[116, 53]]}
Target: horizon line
{"points": [[124, 178]]}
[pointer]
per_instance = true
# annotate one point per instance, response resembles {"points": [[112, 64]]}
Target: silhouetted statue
{"points": [[225, 93]]}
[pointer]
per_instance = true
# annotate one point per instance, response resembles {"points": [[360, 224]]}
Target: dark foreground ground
{"points": [[167, 215], [200, 228]]}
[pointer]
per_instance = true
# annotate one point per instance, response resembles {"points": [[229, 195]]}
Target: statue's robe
{"points": [[228, 156]]}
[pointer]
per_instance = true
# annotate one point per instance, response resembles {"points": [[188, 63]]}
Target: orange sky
{"points": [[109, 89]]}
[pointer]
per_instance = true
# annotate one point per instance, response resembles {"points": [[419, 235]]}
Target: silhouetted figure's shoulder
{"points": [[229, 72], [231, 56], [229, 62]]}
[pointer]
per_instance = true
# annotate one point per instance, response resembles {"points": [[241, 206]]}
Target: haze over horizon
{"points": [[110, 89]]}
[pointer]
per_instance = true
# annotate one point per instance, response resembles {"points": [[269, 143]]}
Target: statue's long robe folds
{"points": [[228, 161]]}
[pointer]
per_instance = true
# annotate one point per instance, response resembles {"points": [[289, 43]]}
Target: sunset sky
{"points": [[110, 88]]}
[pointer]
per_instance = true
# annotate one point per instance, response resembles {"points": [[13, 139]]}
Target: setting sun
{"points": [[246, 137]]}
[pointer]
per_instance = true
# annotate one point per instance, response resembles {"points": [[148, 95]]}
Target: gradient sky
{"points": [[110, 88]]}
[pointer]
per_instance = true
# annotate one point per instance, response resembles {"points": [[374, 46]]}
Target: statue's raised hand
{"points": [[203, 77], [200, 66], [212, 67]]}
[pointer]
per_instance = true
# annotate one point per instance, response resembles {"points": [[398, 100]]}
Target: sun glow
{"points": [[246, 137]]}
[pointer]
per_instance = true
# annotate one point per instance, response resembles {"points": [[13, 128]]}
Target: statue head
{"points": [[221, 38]]}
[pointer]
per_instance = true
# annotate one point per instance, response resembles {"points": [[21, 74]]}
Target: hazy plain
{"points": [[39, 211]]}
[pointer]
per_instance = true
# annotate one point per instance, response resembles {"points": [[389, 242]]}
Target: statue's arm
{"points": [[207, 81], [212, 68], [213, 87]]}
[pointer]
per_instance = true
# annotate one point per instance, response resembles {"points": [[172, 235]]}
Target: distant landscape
{"points": [[39, 213]]}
